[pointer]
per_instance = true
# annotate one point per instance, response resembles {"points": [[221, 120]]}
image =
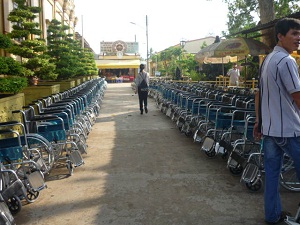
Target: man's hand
{"points": [[256, 134]]}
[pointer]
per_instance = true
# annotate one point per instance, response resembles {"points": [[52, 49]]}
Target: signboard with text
{"points": [[119, 46]]}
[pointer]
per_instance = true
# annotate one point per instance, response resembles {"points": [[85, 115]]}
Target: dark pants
{"points": [[143, 95]]}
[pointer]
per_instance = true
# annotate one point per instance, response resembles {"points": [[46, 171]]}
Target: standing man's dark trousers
{"points": [[143, 95]]}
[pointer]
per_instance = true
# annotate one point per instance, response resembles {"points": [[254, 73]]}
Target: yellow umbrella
{"points": [[296, 54], [234, 47], [238, 46], [215, 60]]}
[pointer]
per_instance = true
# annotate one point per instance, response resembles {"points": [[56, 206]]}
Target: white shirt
{"points": [[139, 78], [279, 79], [234, 74]]}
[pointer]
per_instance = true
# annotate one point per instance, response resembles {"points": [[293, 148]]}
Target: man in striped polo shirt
{"points": [[278, 113]]}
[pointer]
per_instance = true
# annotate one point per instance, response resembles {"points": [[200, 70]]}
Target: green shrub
{"points": [[5, 41], [11, 67], [197, 77], [3, 66], [14, 67], [12, 84]]}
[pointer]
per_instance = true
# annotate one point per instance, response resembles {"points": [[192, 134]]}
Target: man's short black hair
{"points": [[142, 66], [284, 25]]}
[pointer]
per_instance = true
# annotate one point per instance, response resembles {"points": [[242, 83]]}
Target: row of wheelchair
{"points": [[51, 132], [221, 121]]}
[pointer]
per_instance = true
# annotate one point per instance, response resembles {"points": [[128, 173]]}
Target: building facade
{"points": [[61, 10], [118, 60]]}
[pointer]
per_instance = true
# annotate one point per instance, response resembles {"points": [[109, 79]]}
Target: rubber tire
{"points": [[256, 187], [14, 204]]}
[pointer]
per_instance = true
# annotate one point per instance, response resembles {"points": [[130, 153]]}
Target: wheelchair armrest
{"points": [[44, 117], [9, 123], [6, 131]]}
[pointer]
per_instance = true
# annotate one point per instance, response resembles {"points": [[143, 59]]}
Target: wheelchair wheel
{"points": [[211, 153], [14, 204], [32, 196], [236, 171], [180, 125], [289, 180], [188, 133], [6, 216], [45, 149], [254, 187]]}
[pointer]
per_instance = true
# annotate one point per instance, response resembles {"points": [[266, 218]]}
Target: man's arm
{"points": [[256, 98], [137, 83], [296, 98], [229, 72], [256, 132], [147, 79]]}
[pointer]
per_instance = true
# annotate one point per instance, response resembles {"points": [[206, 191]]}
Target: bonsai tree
{"points": [[88, 62], [66, 53], [30, 49]]}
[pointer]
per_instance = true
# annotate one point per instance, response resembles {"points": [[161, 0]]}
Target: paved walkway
{"points": [[140, 170]]}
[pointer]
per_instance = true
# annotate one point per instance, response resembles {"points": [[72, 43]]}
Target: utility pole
{"points": [[147, 58], [82, 38]]}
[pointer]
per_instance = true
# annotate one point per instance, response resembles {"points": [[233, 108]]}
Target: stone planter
{"points": [[8, 103], [77, 81], [33, 93], [64, 84], [83, 79]]}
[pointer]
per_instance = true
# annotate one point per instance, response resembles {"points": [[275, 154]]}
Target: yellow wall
{"points": [[10, 103]]}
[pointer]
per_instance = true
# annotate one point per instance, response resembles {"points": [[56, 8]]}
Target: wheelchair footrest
{"points": [[250, 173], [226, 145], [15, 188], [76, 158], [40, 164], [208, 143], [291, 221], [196, 137], [236, 159], [169, 112], [36, 181]]}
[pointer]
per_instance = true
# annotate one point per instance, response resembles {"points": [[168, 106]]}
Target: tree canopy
{"points": [[245, 14]]}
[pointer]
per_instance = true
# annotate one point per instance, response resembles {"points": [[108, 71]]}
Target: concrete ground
{"points": [[140, 170]]}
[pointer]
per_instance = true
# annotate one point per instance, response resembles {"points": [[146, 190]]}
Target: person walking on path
{"points": [[234, 75], [142, 84], [278, 113]]}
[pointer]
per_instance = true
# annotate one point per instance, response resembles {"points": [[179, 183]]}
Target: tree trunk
{"points": [[267, 14]]}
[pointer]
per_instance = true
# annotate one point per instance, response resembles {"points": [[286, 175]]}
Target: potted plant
{"points": [[34, 80]]}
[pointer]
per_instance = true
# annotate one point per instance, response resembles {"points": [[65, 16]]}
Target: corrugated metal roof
{"points": [[267, 25]]}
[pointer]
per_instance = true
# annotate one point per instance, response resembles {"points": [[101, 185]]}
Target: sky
{"points": [[169, 21]]}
